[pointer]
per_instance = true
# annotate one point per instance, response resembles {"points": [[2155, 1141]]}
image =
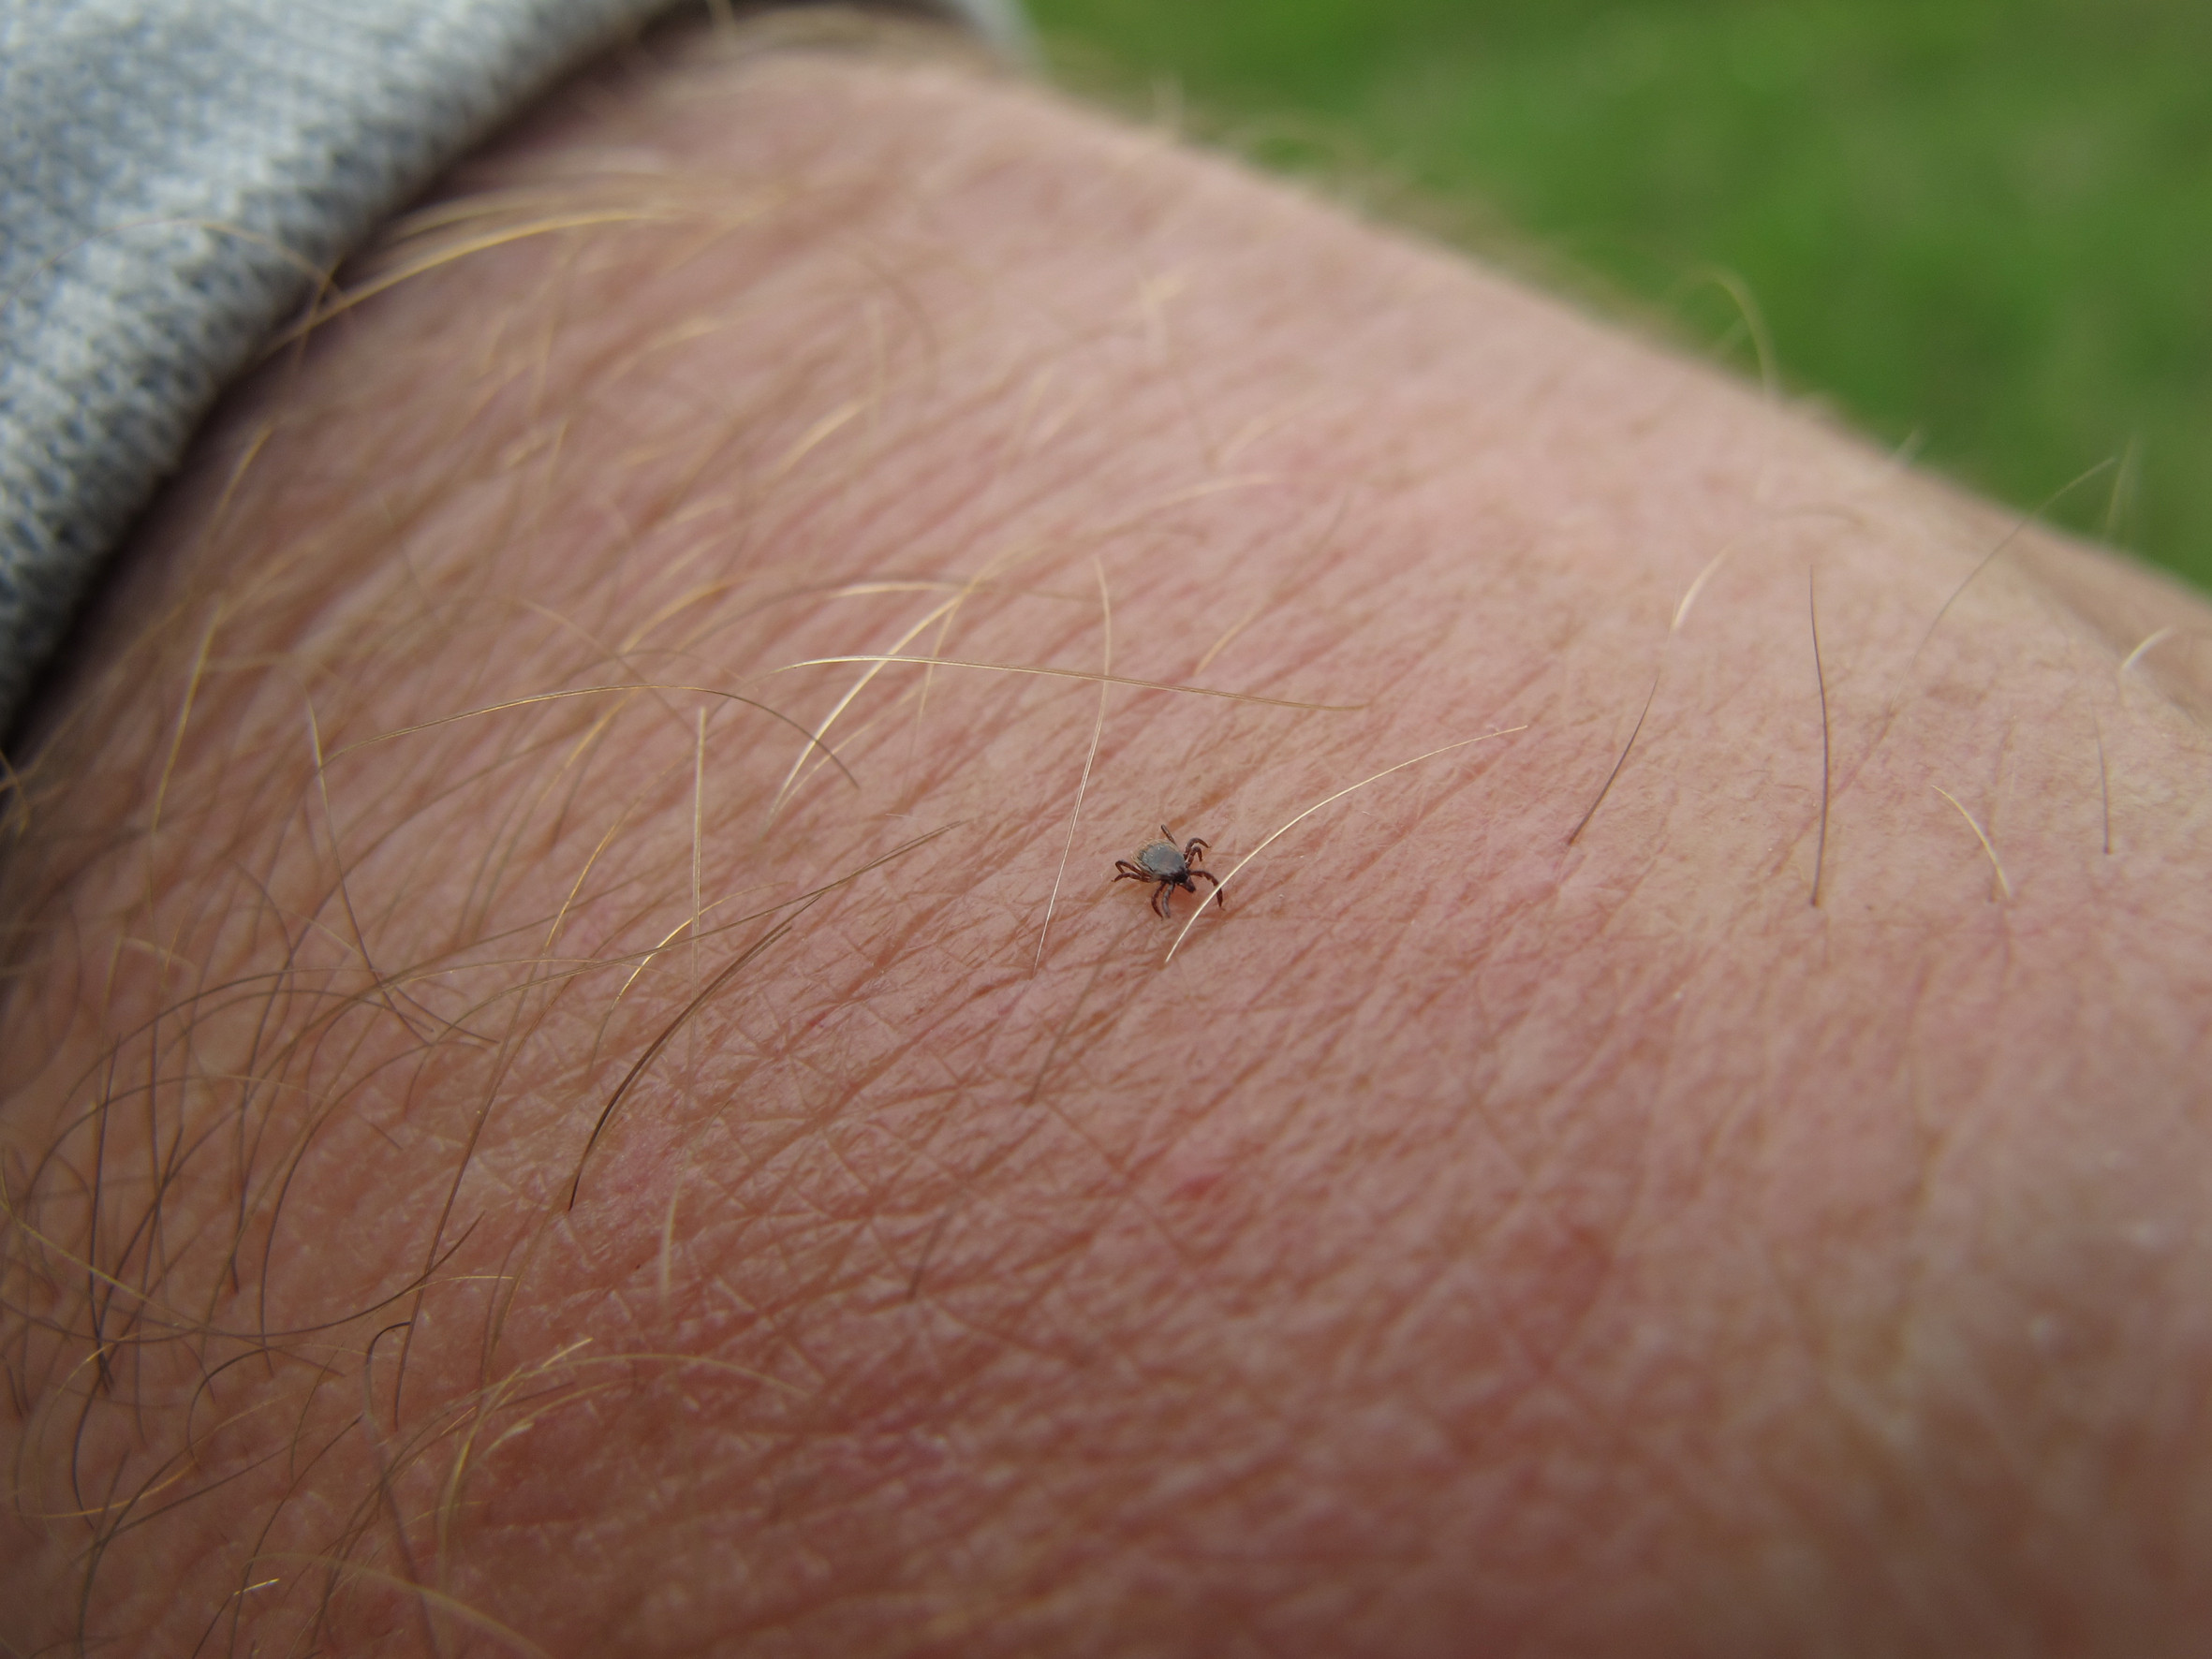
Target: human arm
{"points": [[1472, 1241]]}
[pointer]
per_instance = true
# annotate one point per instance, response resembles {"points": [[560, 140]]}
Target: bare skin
{"points": [[584, 1177]]}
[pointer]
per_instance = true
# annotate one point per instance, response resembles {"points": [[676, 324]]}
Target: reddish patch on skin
{"points": [[1197, 1186]]}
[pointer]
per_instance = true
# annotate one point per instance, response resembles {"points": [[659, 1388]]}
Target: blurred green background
{"points": [[1985, 228]]}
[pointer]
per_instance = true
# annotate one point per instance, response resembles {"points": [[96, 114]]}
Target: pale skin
{"points": [[1473, 1242]]}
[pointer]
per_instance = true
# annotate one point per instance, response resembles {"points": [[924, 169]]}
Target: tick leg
{"points": [[1129, 872], [1160, 896], [1218, 898]]}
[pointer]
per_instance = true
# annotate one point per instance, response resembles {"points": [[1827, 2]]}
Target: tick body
{"points": [[1168, 867]]}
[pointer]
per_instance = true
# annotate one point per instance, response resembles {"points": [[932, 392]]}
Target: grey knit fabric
{"points": [[174, 174]]}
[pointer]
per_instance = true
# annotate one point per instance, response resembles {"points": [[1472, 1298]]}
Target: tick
{"points": [[1166, 869]]}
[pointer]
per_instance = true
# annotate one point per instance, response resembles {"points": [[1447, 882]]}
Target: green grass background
{"points": [[1985, 227]]}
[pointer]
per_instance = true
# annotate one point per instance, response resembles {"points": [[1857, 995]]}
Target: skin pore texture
{"points": [[541, 1117]]}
